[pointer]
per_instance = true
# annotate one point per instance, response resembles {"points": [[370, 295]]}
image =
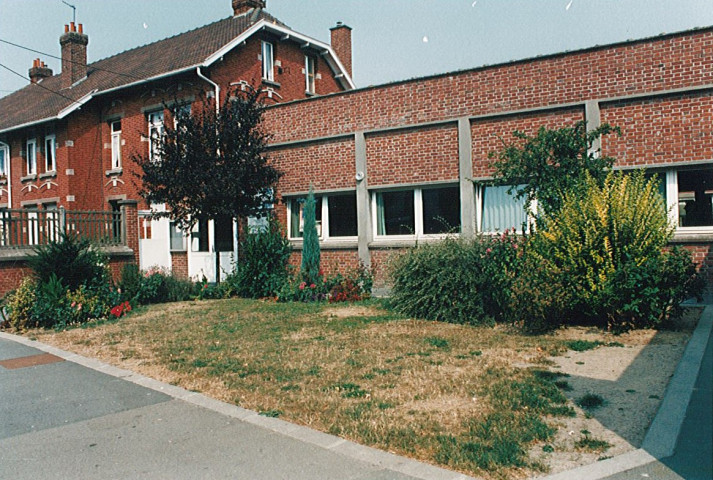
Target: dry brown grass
{"points": [[357, 371]]}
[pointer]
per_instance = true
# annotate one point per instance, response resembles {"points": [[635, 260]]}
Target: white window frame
{"points": [[31, 154], [417, 211], [5, 166], [268, 61], [671, 182], [156, 130], [323, 226], [115, 144], [310, 75], [50, 153]]}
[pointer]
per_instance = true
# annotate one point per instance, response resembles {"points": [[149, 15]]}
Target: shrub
{"points": [[601, 260], [161, 286], [456, 280], [130, 283], [263, 269], [20, 303], [297, 290], [354, 286], [71, 259]]}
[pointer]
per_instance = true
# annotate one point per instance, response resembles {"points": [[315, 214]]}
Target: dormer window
{"points": [[116, 144], [268, 62], [309, 74], [50, 153], [32, 156]]}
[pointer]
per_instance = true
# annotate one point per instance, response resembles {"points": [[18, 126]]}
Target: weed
{"points": [[590, 401], [583, 345], [548, 448], [563, 385], [630, 390], [438, 342], [271, 413], [590, 444], [350, 390]]}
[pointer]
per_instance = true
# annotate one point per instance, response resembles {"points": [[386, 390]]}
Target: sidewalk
{"points": [[63, 416]]}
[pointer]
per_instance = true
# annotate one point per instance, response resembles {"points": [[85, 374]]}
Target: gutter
{"points": [[215, 85]]}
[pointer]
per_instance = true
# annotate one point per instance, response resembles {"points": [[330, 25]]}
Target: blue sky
{"points": [[392, 39]]}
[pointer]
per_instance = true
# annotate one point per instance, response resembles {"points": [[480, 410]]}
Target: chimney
{"points": [[74, 54], [342, 45], [243, 6], [39, 71]]}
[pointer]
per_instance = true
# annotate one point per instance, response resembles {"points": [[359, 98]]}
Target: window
{"points": [[177, 239], [199, 236], [309, 74], [418, 212], [50, 153], [694, 192], [223, 229], [51, 221], [116, 144], [32, 157], [335, 214], [268, 63], [4, 160], [499, 210], [33, 224], [155, 135]]}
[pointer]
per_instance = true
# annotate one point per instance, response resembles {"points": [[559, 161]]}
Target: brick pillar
{"points": [[130, 227]]}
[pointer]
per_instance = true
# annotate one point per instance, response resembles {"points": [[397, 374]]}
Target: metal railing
{"points": [[31, 227]]}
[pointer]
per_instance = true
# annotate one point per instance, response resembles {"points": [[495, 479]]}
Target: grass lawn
{"points": [[470, 399]]}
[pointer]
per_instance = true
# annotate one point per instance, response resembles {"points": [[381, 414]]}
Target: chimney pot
{"points": [[72, 27], [66, 28]]}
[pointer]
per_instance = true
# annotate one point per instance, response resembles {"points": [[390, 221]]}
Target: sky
{"points": [[392, 39]]}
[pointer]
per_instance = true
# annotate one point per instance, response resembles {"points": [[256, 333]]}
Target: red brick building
{"points": [[66, 140], [393, 164]]}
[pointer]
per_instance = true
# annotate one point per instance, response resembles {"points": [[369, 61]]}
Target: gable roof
{"points": [[46, 101]]}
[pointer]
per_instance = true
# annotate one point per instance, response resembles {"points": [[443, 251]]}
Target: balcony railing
{"points": [[30, 227]]}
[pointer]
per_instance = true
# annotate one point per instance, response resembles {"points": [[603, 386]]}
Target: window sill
{"points": [[271, 83], [28, 178], [50, 174], [178, 251], [113, 171], [697, 235]]}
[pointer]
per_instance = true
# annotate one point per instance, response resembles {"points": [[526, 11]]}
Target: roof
{"points": [[46, 101]]}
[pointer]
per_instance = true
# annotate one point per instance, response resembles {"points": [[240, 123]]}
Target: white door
{"points": [[206, 237], [154, 242]]}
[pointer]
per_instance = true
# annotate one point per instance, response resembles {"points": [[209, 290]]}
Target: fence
{"points": [[30, 227]]}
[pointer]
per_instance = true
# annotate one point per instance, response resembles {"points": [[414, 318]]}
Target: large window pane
{"points": [[695, 198], [342, 215], [223, 234], [199, 236], [297, 216], [501, 210], [441, 210], [177, 241], [395, 213]]}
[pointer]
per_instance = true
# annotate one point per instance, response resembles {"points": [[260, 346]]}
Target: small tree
{"points": [[551, 163], [210, 163], [310, 244]]}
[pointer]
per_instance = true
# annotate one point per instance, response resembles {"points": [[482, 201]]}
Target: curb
{"points": [[662, 435], [346, 448]]}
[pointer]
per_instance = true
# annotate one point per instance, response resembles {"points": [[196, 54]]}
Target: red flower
{"points": [[312, 285], [302, 285]]}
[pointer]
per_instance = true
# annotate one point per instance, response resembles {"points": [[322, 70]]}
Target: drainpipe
{"points": [[217, 111]]}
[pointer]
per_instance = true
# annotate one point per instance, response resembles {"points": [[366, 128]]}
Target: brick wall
{"points": [[179, 264], [326, 165]]}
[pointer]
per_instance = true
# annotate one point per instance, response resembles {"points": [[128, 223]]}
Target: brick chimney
{"points": [[39, 71], [242, 6], [74, 54], [342, 45]]}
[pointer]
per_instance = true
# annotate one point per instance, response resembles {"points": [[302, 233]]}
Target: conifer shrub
{"points": [[310, 245]]}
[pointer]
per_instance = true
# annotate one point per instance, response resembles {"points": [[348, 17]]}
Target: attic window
{"points": [[268, 62], [309, 74]]}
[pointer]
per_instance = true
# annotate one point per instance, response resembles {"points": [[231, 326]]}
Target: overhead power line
{"points": [[39, 84]]}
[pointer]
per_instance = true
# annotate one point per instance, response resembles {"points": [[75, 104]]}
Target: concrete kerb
{"points": [[662, 435], [332, 443], [660, 440]]}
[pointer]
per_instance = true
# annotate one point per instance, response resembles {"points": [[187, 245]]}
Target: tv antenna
{"points": [[74, 11]]}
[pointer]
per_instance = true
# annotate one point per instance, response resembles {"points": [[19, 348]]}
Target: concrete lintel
{"points": [[465, 173]]}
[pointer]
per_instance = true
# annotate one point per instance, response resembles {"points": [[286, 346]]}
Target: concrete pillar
{"points": [[465, 174], [362, 193], [593, 116]]}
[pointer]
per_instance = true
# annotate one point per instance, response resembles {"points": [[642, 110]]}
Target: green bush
{"points": [[263, 269], [73, 260], [601, 259], [310, 245], [456, 280], [354, 286], [155, 285]]}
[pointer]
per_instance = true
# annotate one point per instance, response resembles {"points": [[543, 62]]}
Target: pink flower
{"points": [[79, 307], [514, 245], [74, 304], [302, 285], [489, 250], [312, 285]]}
